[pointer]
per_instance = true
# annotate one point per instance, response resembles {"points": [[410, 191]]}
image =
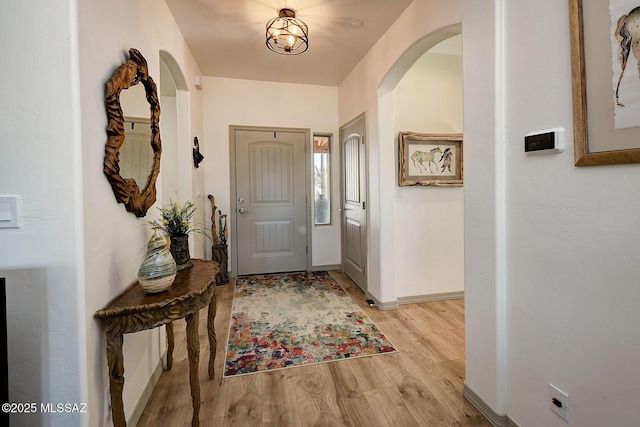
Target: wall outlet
{"points": [[559, 402]]}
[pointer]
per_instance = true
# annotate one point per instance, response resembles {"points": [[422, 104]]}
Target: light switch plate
{"points": [[10, 212]]}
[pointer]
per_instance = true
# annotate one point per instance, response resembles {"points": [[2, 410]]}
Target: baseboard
{"points": [[146, 394], [511, 423], [431, 297], [390, 305], [497, 420], [326, 267]]}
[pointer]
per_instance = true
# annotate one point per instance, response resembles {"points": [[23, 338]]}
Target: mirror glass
{"points": [[136, 155], [132, 153]]}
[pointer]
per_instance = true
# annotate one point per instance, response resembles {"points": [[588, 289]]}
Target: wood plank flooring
{"points": [[421, 385]]}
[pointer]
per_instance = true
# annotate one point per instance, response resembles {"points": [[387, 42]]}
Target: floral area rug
{"points": [[292, 319]]}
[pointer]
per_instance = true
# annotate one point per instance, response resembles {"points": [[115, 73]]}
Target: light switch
{"points": [[9, 211], [5, 211]]}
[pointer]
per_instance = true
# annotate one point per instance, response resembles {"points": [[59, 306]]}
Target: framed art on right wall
{"points": [[605, 81]]}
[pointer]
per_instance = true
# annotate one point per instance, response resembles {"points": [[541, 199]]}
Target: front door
{"points": [[270, 200], [354, 179]]}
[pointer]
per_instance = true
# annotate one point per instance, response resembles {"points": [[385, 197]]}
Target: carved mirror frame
{"points": [[126, 190]]}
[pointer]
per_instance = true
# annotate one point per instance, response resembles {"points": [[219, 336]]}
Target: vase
{"points": [[158, 269], [220, 255], [180, 251]]}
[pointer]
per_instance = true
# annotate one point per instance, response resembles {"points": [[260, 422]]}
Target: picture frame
{"points": [[430, 159], [596, 140]]}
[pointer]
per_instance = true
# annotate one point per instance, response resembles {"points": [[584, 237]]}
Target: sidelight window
{"points": [[321, 179]]}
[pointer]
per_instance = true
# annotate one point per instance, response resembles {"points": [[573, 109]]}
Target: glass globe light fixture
{"points": [[286, 34]]}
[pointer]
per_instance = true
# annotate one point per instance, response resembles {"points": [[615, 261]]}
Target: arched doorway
{"points": [[422, 92], [175, 129]]}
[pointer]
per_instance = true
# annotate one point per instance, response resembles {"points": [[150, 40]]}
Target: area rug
{"points": [[294, 319]]}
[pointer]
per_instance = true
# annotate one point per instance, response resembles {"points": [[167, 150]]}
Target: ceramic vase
{"points": [[158, 269], [180, 251]]}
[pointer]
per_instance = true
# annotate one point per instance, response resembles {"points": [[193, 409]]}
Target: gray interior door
{"points": [[354, 179], [270, 205]]}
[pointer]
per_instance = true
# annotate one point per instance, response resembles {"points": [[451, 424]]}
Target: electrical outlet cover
{"points": [[563, 398]]}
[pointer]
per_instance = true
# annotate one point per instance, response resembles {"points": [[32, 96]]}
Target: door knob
{"points": [[243, 211]]}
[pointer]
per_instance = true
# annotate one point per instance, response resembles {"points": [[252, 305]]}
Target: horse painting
{"points": [[422, 157]]}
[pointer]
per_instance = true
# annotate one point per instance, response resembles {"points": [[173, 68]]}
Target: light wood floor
{"points": [[421, 385]]}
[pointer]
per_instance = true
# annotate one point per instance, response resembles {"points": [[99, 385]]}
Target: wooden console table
{"points": [[134, 310]]}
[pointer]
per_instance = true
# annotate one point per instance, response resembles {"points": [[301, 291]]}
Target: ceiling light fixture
{"points": [[287, 35]]}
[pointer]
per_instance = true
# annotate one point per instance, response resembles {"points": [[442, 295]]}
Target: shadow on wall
{"points": [[28, 341]]}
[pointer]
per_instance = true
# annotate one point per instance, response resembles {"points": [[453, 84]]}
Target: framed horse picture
{"points": [[430, 159]]}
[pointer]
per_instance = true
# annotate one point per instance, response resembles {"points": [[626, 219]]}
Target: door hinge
{"points": [[363, 205], [307, 249]]}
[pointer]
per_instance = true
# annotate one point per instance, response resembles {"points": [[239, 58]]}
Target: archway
{"points": [[422, 92], [175, 168]]}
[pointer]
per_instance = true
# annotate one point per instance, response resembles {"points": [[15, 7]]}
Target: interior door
{"points": [[270, 205], [354, 219]]}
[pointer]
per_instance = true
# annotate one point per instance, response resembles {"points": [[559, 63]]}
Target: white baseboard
{"points": [[431, 297], [146, 394], [326, 267], [390, 305], [511, 423], [496, 419]]}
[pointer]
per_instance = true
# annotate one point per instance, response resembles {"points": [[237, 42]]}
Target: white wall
{"points": [[485, 350], [40, 161], [574, 244], [115, 239], [253, 103], [429, 220]]}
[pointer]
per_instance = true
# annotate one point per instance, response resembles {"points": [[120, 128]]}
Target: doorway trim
{"points": [[234, 196]]}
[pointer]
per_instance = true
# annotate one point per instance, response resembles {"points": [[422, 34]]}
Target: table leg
{"points": [[169, 330], [193, 350], [212, 335], [116, 374]]}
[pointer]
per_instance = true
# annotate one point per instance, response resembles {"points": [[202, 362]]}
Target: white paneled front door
{"points": [[270, 201]]}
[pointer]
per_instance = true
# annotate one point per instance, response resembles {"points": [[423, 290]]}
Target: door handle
{"points": [[243, 211], [342, 209]]}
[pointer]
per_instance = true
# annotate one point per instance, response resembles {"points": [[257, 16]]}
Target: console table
{"points": [[134, 310]]}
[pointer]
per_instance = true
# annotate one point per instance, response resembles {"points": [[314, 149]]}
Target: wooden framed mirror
{"points": [[127, 189]]}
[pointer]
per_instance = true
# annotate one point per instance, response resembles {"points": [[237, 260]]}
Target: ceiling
{"points": [[227, 37]]}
